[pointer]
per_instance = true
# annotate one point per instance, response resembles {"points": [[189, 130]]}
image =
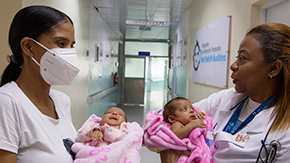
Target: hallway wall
{"points": [[101, 72], [178, 84], [7, 12], [245, 14]]}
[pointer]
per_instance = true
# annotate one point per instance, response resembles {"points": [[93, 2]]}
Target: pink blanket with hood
{"points": [[158, 137]]}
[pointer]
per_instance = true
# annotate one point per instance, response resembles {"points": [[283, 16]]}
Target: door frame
{"points": [[133, 79]]}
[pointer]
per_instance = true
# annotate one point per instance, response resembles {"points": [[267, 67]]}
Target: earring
{"points": [[271, 77]]}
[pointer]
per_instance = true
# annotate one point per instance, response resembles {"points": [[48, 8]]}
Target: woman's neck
{"points": [[34, 88], [260, 99]]}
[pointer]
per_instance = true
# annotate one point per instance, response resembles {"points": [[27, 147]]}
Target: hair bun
{"points": [[11, 58]]}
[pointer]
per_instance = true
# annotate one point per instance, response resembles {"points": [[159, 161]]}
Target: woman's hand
{"points": [[200, 115], [171, 156], [196, 123]]}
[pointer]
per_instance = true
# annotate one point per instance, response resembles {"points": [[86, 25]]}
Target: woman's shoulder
{"points": [[9, 101], [9, 92], [229, 91], [225, 94], [8, 88], [6, 100]]}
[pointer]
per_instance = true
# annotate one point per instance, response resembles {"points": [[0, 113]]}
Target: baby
{"points": [[180, 126], [107, 139], [182, 117], [112, 128]]}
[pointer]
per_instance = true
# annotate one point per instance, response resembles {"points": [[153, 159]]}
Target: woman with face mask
{"points": [[34, 118]]}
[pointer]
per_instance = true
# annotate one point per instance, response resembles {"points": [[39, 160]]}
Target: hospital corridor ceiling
{"points": [[145, 20]]}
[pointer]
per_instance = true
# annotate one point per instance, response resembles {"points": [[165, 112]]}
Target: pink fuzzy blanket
{"points": [[126, 150], [158, 137]]}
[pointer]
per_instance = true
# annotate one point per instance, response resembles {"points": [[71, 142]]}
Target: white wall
{"points": [[7, 11], [101, 73], [181, 30], [79, 12], [245, 14], [155, 48]]}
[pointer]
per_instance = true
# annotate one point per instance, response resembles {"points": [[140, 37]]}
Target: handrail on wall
{"points": [[93, 98]]}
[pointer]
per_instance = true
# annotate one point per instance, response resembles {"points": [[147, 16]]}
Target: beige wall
{"points": [[7, 12], [245, 14], [79, 12]]}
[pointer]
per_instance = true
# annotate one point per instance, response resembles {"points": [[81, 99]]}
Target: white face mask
{"points": [[58, 66]]}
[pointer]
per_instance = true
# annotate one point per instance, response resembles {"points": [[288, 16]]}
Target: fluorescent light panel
{"points": [[147, 23]]}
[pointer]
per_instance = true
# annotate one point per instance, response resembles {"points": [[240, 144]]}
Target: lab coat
{"points": [[244, 146]]}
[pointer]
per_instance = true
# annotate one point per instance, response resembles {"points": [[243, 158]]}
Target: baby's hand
{"points": [[197, 123], [97, 135]]}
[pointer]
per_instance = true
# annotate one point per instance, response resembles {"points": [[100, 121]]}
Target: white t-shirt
{"points": [[248, 108], [33, 136]]}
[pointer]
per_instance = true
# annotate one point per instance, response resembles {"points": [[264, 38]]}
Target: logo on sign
{"points": [[196, 56]]}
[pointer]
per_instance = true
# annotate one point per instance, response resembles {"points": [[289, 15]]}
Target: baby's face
{"points": [[184, 112], [114, 117]]}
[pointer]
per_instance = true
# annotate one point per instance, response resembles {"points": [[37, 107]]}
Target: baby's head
{"points": [[114, 117], [178, 109]]}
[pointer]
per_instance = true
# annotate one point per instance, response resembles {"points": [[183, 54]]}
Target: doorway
{"points": [[156, 70], [134, 80], [143, 73]]}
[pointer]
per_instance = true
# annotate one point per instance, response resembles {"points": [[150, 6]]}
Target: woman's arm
{"points": [[171, 156], [7, 157]]}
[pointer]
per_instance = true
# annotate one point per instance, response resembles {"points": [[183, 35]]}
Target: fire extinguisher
{"points": [[116, 78]]}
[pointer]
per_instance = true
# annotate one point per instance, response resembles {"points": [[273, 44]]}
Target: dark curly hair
{"points": [[169, 109]]}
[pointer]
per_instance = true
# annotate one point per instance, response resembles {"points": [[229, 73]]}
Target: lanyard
{"points": [[234, 124]]}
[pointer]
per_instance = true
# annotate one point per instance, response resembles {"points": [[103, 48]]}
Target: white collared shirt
{"points": [[244, 146]]}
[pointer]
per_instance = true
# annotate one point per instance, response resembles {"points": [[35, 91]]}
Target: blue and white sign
{"points": [[210, 53]]}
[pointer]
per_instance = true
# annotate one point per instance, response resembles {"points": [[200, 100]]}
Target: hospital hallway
{"points": [[154, 100]]}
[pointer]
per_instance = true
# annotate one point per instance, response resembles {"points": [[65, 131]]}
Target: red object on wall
{"points": [[116, 78]]}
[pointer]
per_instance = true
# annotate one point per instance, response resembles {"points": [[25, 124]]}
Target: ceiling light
{"points": [[147, 23]]}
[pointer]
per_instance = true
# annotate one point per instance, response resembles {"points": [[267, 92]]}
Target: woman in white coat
{"points": [[252, 120]]}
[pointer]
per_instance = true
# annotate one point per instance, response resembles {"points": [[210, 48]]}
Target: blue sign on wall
{"points": [[144, 53]]}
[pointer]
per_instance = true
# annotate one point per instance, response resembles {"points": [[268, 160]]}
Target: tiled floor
{"points": [[154, 100]]}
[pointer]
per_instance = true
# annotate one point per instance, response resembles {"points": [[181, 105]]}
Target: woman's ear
{"points": [[275, 69], [171, 119], [26, 46]]}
